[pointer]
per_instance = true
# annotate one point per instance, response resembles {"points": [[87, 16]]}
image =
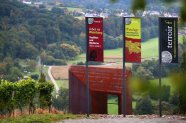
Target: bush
{"points": [[6, 90], [52, 61], [165, 93], [174, 99], [144, 106], [62, 101], [45, 90], [155, 93], [80, 63], [34, 76]]}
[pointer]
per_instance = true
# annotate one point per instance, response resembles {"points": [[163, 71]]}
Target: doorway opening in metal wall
{"points": [[112, 104]]}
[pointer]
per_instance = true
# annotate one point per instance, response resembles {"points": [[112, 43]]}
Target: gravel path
{"points": [[52, 79], [125, 120], [131, 119]]}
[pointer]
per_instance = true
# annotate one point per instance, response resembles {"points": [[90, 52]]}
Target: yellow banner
{"points": [[133, 28]]}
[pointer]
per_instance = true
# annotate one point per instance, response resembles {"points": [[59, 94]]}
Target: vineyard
{"points": [[26, 94]]}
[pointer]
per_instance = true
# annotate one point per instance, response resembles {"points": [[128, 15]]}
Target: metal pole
{"points": [[87, 83], [160, 72], [160, 96], [123, 76], [87, 90]]}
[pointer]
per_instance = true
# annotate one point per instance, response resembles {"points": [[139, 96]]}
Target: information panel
{"points": [[132, 33], [168, 38], [95, 39]]}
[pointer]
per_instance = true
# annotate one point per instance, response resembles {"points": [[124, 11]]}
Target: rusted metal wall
{"points": [[102, 81], [99, 102], [77, 95]]}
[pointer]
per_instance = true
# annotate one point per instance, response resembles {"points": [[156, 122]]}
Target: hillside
{"points": [[30, 36], [28, 32]]}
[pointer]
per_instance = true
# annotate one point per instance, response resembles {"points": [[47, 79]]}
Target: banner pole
{"points": [[123, 75], [86, 74], [160, 71], [160, 96], [87, 90]]}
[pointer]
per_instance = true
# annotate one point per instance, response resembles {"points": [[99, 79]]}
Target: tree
{"points": [[61, 102], [182, 87], [42, 78], [144, 106], [45, 97]]}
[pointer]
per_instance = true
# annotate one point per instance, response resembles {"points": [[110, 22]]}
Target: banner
{"points": [[168, 37], [132, 33], [94, 39]]}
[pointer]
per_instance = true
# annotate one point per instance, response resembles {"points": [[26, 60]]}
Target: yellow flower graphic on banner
{"points": [[133, 47]]}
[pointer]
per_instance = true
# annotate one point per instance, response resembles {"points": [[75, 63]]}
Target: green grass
{"points": [[74, 9], [71, 9], [133, 104], [115, 52], [112, 104], [63, 83], [149, 50], [40, 118], [112, 108], [165, 81]]}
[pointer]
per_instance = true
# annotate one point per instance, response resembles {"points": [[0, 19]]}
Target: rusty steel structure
{"points": [[102, 82]]}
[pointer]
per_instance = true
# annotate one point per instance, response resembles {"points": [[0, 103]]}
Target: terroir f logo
{"points": [[166, 57]]}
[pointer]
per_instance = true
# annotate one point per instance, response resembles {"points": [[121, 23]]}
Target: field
{"points": [[60, 72], [71, 9], [149, 51], [63, 83]]}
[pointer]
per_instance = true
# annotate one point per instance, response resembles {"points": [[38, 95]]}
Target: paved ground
{"points": [[125, 120], [131, 119]]}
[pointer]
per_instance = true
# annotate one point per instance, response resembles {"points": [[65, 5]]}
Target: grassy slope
{"points": [[149, 50], [40, 118], [63, 83]]}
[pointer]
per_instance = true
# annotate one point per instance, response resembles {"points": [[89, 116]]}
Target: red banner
{"points": [[95, 39], [132, 39]]}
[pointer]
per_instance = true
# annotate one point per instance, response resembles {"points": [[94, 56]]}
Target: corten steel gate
{"points": [[102, 81]]}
